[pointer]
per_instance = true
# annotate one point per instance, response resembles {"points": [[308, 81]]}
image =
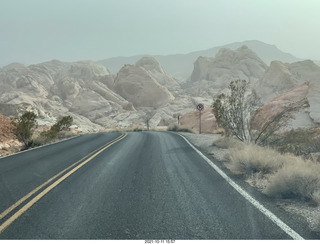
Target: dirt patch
{"points": [[8, 143]]}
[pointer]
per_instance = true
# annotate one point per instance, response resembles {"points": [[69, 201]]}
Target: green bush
{"points": [[62, 125], [24, 128]]}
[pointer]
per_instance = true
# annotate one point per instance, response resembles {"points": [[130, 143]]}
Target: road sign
{"points": [[200, 106]]}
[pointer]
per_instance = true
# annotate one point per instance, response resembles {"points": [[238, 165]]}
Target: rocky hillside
{"points": [[8, 143], [210, 75], [86, 91], [56, 89], [228, 64], [281, 77], [144, 84], [300, 118], [278, 85], [144, 93], [180, 65]]}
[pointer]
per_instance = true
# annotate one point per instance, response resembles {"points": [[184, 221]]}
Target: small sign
{"points": [[200, 106]]}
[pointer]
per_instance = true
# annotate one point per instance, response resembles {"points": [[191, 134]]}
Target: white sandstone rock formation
{"points": [[213, 74], [54, 89], [138, 86], [153, 67]]}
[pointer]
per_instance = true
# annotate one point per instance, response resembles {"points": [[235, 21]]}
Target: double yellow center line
{"points": [[74, 167]]}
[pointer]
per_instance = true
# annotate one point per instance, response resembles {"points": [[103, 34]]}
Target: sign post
{"points": [[200, 107]]}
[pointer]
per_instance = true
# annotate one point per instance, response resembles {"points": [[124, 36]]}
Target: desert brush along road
{"points": [[138, 185]]}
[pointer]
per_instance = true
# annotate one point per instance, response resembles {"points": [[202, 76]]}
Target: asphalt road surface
{"points": [[140, 185]]}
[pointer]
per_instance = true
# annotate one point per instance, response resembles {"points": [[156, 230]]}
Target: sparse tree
{"points": [[62, 124], [65, 123], [24, 128], [233, 111], [148, 116], [237, 110]]}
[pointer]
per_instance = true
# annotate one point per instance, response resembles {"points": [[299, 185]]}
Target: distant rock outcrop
{"points": [[276, 80], [140, 87], [180, 65], [300, 118], [153, 67], [281, 77], [144, 93], [55, 89], [242, 64], [213, 74]]}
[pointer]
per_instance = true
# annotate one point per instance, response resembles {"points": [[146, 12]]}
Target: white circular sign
{"points": [[200, 106]]}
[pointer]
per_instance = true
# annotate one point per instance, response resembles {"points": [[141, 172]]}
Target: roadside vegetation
{"points": [[178, 128], [281, 164], [25, 130], [50, 135]]}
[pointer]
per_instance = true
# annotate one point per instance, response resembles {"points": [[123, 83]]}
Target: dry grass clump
{"points": [[296, 179], [284, 175], [252, 158], [227, 142]]}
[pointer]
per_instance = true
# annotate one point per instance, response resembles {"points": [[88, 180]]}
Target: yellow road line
{"points": [[44, 192], [20, 201]]}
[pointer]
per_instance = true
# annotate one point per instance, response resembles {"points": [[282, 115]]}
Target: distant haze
{"points": [[35, 31]]}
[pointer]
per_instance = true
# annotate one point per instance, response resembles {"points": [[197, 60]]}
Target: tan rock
{"points": [[191, 120], [137, 86], [300, 118]]}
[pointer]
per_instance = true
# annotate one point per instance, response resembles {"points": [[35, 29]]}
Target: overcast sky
{"points": [[34, 31]]}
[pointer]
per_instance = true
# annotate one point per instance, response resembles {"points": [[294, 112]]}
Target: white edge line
{"points": [[34, 148], [246, 195]]}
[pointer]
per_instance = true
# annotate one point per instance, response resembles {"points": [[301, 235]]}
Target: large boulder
{"points": [[138, 86], [155, 70], [211, 75], [191, 120], [281, 77], [228, 65], [295, 97]]}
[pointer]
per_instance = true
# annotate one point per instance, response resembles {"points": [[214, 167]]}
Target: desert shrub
{"points": [[233, 110], [50, 134], [65, 134], [300, 142], [137, 129], [251, 158], [298, 179], [284, 175], [226, 142], [178, 128], [237, 110], [62, 125], [39, 141], [24, 128]]}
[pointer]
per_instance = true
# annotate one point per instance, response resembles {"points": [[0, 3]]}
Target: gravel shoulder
{"points": [[204, 143]]}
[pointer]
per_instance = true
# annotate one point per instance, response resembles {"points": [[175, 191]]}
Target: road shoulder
{"points": [[298, 212]]}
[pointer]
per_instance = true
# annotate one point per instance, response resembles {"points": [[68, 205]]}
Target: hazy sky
{"points": [[33, 31]]}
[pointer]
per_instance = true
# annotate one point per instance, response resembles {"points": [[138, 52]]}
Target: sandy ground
{"points": [[204, 143]]}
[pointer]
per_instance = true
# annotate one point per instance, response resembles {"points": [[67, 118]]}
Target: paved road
{"points": [[145, 185]]}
